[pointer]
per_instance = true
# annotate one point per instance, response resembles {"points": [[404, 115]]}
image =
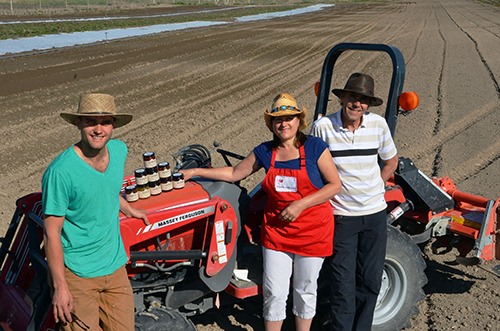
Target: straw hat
{"points": [[362, 84], [284, 105], [97, 104]]}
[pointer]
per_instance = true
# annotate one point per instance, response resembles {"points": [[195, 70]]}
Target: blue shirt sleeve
{"points": [[263, 154]]}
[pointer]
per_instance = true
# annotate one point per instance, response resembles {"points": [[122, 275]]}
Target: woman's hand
{"points": [[292, 211], [188, 173]]}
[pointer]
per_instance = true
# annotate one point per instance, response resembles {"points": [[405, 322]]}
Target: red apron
{"points": [[311, 234]]}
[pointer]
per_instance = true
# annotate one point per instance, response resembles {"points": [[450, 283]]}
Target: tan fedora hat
{"points": [[362, 84], [284, 105], [97, 104]]}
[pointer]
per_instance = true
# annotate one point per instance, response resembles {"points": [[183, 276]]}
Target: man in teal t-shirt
{"points": [[81, 200]]}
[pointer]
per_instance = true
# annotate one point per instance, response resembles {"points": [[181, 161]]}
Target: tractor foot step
{"points": [[242, 289]]}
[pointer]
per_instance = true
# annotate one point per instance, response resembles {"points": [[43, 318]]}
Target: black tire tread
{"points": [[401, 245]]}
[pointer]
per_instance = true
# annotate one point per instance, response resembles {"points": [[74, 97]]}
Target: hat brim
{"points": [[268, 116], [120, 119], [374, 100]]}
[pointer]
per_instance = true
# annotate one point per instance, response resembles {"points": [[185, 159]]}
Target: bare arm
{"points": [[331, 177], [62, 300], [229, 174], [389, 167], [130, 211]]}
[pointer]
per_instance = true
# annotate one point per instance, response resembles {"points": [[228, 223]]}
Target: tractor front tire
{"points": [[402, 283], [161, 319]]}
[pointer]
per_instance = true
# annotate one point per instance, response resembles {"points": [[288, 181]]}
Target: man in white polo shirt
{"points": [[356, 139]]}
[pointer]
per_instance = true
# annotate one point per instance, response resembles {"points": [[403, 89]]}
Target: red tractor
{"points": [[203, 235]]}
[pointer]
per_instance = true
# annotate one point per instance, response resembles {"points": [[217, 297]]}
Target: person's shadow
{"points": [[234, 314]]}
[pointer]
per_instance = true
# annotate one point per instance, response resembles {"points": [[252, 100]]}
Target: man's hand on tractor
{"points": [[130, 211], [139, 213]]}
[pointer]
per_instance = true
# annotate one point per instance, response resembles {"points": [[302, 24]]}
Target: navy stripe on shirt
{"points": [[354, 152]]}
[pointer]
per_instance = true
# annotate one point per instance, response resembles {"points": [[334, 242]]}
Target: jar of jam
{"points": [[143, 191], [178, 180], [149, 159], [164, 169], [166, 184], [152, 174], [155, 187], [141, 178], [131, 194]]}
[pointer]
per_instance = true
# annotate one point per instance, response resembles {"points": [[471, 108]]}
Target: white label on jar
{"points": [[165, 173], [132, 196], [143, 194], [155, 190], [154, 177], [179, 183], [167, 186], [150, 163], [141, 180]]}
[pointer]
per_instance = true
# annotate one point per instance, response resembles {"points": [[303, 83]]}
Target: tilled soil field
{"points": [[206, 84]]}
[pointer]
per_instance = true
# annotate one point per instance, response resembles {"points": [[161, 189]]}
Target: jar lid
{"points": [[165, 179], [148, 154], [164, 164], [130, 188], [152, 170], [177, 176], [140, 172], [153, 184]]}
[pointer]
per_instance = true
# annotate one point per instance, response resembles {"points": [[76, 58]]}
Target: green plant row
{"points": [[8, 31]]}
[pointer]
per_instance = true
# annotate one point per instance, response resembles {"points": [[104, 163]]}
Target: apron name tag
{"points": [[285, 184]]}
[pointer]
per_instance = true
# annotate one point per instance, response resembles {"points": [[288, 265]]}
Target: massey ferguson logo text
{"points": [[182, 217], [179, 218]]}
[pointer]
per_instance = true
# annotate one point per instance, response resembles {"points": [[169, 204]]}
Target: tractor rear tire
{"points": [[402, 283], [161, 319]]}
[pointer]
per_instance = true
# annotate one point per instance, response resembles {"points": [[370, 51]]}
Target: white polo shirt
{"points": [[356, 156]]}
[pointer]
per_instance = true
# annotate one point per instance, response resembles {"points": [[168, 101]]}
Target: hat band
{"points": [[284, 108], [97, 113]]}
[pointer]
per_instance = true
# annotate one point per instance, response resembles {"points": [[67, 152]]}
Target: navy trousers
{"points": [[355, 269]]}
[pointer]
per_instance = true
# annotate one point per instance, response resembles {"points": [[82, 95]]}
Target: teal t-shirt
{"points": [[89, 201]]}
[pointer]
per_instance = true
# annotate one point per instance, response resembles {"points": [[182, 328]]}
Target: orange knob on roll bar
{"points": [[408, 100]]}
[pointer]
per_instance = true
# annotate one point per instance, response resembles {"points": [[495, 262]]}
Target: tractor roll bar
{"points": [[397, 80]]}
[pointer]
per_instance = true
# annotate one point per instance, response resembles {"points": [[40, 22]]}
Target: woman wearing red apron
{"points": [[297, 231]]}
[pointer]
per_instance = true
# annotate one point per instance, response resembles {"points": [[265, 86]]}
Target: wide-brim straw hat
{"points": [[95, 105], [284, 105], [362, 84]]}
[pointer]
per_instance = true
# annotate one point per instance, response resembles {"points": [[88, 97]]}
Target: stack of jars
{"points": [[153, 179]]}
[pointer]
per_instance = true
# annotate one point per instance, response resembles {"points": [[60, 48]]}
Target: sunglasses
{"points": [[283, 119], [358, 97], [284, 108]]}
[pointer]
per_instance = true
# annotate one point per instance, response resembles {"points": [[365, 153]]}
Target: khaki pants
{"points": [[101, 303]]}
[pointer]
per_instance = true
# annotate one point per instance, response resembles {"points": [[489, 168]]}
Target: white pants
{"points": [[278, 269]]}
